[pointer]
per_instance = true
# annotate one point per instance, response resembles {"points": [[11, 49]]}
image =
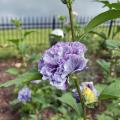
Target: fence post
{"points": [[53, 23], [110, 28]]}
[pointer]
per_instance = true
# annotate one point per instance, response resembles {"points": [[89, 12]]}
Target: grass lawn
{"points": [[38, 40], [40, 36]]}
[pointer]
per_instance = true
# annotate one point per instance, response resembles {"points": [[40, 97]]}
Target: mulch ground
{"points": [[6, 112]]}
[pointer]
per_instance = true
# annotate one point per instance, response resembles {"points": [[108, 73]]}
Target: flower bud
{"points": [[88, 92], [24, 95]]}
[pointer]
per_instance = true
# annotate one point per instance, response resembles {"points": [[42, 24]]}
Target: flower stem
{"points": [[69, 5], [71, 22], [37, 115], [81, 99]]}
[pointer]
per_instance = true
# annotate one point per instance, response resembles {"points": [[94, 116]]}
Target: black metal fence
{"points": [[42, 27]]}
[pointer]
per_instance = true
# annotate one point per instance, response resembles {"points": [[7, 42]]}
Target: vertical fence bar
{"points": [[32, 28], [2, 30], [34, 22], [54, 23], [28, 29], [36, 30], [38, 27], [48, 29], [10, 28], [41, 31], [45, 26], [6, 29]]}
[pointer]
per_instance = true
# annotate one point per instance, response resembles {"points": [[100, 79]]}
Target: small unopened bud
{"points": [[75, 13], [64, 1]]}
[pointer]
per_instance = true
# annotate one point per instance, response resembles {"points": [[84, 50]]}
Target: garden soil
{"points": [[6, 113]]}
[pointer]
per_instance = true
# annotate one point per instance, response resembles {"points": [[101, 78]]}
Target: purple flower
{"points": [[24, 95], [61, 60], [88, 91]]}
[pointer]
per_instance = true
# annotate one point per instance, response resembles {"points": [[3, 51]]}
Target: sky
{"points": [[17, 8]]}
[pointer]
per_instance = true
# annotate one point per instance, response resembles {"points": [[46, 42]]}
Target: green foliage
{"points": [[101, 34], [115, 111], [112, 91], [62, 18], [104, 117], [69, 100], [28, 76], [44, 96], [112, 44], [15, 42], [110, 5], [17, 23], [115, 6], [101, 18], [100, 87], [13, 71], [19, 43], [117, 31], [27, 33], [116, 52], [104, 65]]}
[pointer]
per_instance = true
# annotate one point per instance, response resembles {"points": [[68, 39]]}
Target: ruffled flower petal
{"points": [[61, 60]]}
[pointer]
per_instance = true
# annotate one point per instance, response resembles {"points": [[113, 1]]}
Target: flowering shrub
{"points": [[61, 60], [24, 95]]}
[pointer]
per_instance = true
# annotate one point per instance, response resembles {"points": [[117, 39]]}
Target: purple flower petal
{"points": [[61, 60], [24, 95]]}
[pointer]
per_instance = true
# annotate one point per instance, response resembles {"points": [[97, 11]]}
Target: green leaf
{"points": [[14, 102], [116, 52], [103, 117], [100, 87], [16, 22], [23, 48], [69, 100], [102, 35], [111, 91], [117, 31], [115, 5], [14, 41], [105, 2], [39, 99], [27, 33], [104, 65], [111, 5], [28, 76], [5, 46], [13, 71], [101, 18], [111, 44]]}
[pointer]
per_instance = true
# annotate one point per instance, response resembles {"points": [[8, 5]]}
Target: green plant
{"points": [[44, 95], [19, 43]]}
